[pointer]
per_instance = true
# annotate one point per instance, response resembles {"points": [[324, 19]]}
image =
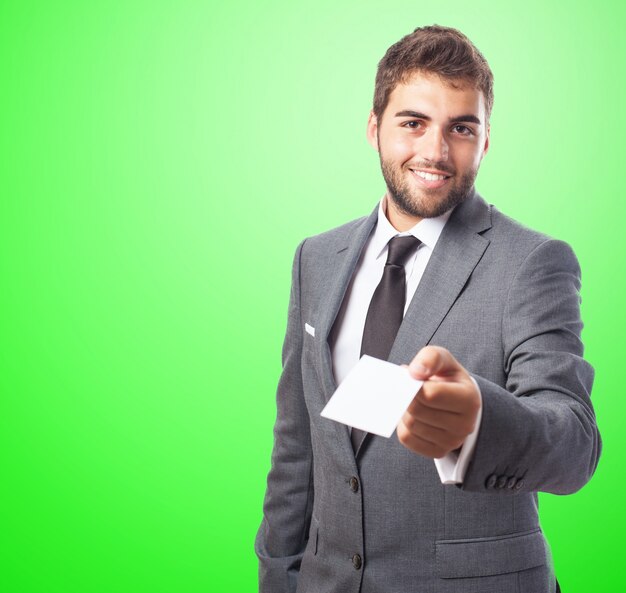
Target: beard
{"points": [[424, 202]]}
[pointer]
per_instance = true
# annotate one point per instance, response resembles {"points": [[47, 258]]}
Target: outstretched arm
{"points": [[538, 432]]}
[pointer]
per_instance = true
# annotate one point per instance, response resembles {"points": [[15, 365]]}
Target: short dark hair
{"points": [[438, 50]]}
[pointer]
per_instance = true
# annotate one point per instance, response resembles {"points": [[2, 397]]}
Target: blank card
{"points": [[373, 396]]}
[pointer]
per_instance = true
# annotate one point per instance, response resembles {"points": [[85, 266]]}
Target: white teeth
{"points": [[430, 176]]}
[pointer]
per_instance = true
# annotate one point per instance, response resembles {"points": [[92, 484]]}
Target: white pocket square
{"points": [[309, 329]]}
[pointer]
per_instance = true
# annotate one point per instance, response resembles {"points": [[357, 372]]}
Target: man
{"points": [[488, 318]]}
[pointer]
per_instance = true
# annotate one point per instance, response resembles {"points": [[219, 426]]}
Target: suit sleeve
{"points": [[283, 534], [538, 432]]}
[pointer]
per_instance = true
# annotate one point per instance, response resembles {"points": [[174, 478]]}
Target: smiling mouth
{"points": [[430, 180], [430, 176]]}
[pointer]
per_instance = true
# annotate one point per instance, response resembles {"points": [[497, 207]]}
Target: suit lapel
{"points": [[348, 254], [459, 249]]}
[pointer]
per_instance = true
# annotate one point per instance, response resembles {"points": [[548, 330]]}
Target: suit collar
{"points": [[473, 213], [354, 241]]}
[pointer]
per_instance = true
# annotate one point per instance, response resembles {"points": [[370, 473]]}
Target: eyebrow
{"points": [[468, 118]]}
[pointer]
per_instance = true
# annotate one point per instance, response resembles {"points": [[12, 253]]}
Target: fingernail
{"points": [[419, 368]]}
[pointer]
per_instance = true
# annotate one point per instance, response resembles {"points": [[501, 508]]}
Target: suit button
{"points": [[520, 484], [511, 483], [356, 561], [354, 484], [491, 481], [502, 480]]}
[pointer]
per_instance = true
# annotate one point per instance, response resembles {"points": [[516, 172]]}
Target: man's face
{"points": [[431, 140]]}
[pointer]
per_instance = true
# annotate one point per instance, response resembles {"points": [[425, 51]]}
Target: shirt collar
{"points": [[426, 230]]}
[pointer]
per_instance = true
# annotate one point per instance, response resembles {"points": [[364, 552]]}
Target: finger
{"points": [[438, 436], [457, 424], [459, 398], [434, 360], [418, 444]]}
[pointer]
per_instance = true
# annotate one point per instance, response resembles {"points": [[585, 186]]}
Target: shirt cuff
{"points": [[452, 467]]}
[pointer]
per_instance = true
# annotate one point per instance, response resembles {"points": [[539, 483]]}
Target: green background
{"points": [[160, 161]]}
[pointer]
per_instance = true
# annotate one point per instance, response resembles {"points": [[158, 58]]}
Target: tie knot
{"points": [[400, 248]]}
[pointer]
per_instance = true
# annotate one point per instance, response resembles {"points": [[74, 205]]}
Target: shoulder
{"points": [[510, 230], [512, 250], [518, 243], [338, 239], [335, 236]]}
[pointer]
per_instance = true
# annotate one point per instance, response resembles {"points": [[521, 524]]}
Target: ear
{"points": [[372, 131], [486, 147]]}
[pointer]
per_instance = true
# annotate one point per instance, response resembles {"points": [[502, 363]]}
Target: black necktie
{"points": [[386, 309]]}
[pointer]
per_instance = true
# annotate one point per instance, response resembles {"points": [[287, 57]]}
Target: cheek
{"points": [[478, 157], [401, 149], [469, 157]]}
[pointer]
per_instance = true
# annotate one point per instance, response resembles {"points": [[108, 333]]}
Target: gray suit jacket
{"points": [[505, 301]]}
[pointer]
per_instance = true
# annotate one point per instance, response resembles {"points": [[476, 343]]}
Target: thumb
{"points": [[434, 360]]}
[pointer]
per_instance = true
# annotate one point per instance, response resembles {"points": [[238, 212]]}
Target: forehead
{"points": [[430, 94]]}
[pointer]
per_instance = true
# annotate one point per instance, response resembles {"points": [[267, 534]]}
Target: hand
{"points": [[444, 410]]}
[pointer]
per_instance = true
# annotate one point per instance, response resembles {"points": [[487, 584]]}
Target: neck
{"points": [[401, 221]]}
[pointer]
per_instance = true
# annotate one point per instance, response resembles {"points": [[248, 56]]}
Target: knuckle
{"points": [[429, 389], [410, 422], [414, 407]]}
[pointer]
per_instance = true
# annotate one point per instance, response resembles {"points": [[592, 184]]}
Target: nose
{"points": [[434, 146]]}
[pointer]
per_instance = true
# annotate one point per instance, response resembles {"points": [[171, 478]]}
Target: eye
{"points": [[413, 124], [462, 130]]}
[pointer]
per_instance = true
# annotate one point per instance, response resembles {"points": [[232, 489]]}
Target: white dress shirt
{"points": [[345, 340]]}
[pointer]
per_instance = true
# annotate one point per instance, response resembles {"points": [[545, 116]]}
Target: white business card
{"points": [[373, 396]]}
